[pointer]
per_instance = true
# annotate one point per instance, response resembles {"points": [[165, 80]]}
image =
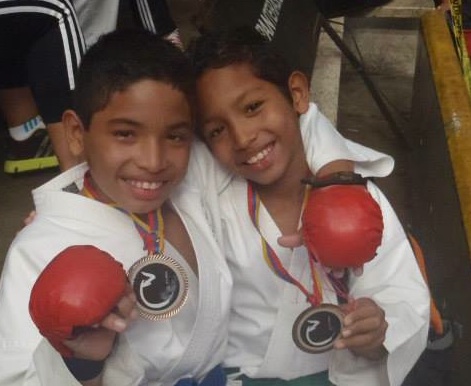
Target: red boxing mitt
{"points": [[342, 224], [76, 290]]}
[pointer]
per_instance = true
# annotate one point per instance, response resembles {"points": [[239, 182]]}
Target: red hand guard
{"points": [[77, 289], [342, 225]]}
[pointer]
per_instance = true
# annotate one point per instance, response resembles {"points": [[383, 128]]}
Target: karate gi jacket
{"points": [[264, 307], [158, 353]]}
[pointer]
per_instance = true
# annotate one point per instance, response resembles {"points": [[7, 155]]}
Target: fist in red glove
{"points": [[342, 223], [76, 290]]}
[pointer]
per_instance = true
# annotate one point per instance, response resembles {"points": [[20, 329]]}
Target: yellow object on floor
{"points": [[27, 165]]}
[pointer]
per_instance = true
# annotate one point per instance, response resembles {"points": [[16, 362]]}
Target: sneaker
{"points": [[34, 153], [174, 37]]}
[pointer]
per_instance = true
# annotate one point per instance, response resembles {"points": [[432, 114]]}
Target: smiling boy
{"points": [[133, 120], [251, 107]]}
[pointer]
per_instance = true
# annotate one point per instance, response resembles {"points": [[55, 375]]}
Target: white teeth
{"points": [[259, 156], [145, 184]]}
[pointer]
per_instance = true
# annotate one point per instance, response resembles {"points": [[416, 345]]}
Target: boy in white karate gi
{"points": [[134, 123], [251, 107]]}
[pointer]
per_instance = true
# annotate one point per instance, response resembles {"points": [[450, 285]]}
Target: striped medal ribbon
{"points": [[159, 281]]}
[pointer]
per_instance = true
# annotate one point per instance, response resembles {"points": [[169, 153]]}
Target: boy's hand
{"points": [[291, 241], [29, 219], [77, 290], [364, 329], [342, 224], [96, 343], [296, 240]]}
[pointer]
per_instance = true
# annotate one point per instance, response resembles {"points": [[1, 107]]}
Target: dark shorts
{"points": [[40, 46]]}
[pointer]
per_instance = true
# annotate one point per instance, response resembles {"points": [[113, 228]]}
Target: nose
{"points": [[243, 134], [150, 156]]}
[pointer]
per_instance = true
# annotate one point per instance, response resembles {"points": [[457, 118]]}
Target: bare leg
{"points": [[17, 105]]}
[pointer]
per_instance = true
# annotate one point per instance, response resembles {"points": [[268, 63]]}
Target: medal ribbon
{"points": [[152, 232], [272, 259]]}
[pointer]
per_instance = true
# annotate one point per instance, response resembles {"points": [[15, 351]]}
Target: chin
{"points": [[139, 208], [265, 179], [145, 209]]}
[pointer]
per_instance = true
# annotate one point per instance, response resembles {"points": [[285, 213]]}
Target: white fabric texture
{"points": [[96, 18], [152, 353], [264, 307]]}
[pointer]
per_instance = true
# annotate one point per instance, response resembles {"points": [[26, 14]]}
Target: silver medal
{"points": [[316, 329], [160, 284]]}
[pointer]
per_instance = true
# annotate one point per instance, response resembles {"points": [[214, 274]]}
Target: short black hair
{"points": [[122, 58], [241, 45]]}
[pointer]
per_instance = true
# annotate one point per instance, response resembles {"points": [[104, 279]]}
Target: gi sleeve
{"points": [[324, 144], [394, 281]]}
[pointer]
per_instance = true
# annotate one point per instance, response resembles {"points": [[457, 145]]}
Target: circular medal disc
{"points": [[316, 329], [160, 284]]}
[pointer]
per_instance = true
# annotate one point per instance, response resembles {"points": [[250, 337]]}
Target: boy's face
{"points": [[249, 125], [138, 146]]}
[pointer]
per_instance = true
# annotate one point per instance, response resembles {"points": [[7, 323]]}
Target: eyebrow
{"points": [[182, 125], [242, 96], [127, 121], [237, 101]]}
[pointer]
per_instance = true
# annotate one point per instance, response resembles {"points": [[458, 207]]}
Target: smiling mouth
{"points": [[260, 155], [146, 185]]}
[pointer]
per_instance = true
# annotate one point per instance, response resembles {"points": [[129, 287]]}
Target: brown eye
{"points": [[179, 137], [123, 134], [213, 132], [253, 107]]}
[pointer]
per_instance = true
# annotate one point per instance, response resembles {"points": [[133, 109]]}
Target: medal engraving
{"points": [[316, 329], [160, 284]]}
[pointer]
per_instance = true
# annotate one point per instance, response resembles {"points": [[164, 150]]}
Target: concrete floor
{"points": [[388, 49]]}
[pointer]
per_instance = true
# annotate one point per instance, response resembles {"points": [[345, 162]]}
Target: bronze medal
{"points": [[316, 329], [160, 284]]}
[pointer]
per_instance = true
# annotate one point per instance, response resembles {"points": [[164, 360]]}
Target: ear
{"points": [[74, 131], [299, 88]]}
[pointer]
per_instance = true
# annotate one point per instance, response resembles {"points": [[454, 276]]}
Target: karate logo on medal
{"points": [[316, 329], [160, 284]]}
